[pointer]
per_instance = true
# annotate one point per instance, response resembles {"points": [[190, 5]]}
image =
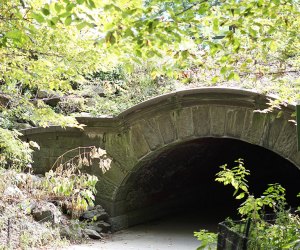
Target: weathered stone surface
{"points": [[217, 119], [13, 192], [116, 173], [184, 123], [151, 132], [96, 213], [201, 119], [105, 189], [105, 227], [254, 127], [275, 125], [46, 212], [153, 126], [287, 139], [234, 121], [167, 127], [93, 234], [119, 222], [118, 146], [137, 141], [71, 231], [94, 228]]}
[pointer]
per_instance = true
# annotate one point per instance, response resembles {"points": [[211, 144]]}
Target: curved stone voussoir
{"points": [[139, 145], [217, 120], [105, 189], [116, 174], [201, 120], [119, 147], [167, 127], [234, 123], [151, 133], [254, 127], [287, 140]]}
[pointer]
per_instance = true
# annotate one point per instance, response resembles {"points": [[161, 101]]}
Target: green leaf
{"points": [[38, 17], [70, 7], [110, 38], [252, 32], [91, 4], [14, 34], [240, 196], [58, 7], [46, 12], [81, 25], [68, 20], [80, 1], [216, 25], [223, 70]]}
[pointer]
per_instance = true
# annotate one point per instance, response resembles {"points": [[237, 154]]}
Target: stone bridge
{"points": [[166, 150]]}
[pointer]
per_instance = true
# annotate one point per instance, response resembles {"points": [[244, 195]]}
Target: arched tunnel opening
{"points": [[181, 180]]}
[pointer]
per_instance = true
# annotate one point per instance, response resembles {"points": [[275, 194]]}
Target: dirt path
{"points": [[174, 233]]}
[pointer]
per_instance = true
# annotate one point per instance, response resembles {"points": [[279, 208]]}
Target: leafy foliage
{"points": [[14, 152], [73, 189], [207, 239], [282, 232]]}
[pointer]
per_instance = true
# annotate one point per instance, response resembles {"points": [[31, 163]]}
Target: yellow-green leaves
{"points": [[68, 20], [38, 17], [216, 25]]}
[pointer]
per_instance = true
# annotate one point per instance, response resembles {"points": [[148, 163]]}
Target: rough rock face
{"points": [[13, 191], [46, 212], [97, 222], [97, 213], [92, 234]]}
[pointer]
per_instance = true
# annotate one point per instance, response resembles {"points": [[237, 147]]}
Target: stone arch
{"points": [[142, 132], [154, 126]]}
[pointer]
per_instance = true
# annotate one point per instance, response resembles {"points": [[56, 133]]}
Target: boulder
{"points": [[46, 212], [92, 234], [13, 191], [95, 228], [53, 101], [71, 232], [105, 227], [94, 214]]}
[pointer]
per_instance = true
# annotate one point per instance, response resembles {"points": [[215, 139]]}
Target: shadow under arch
{"points": [[181, 177]]}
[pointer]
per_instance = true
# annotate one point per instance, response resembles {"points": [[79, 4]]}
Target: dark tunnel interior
{"points": [[182, 178]]}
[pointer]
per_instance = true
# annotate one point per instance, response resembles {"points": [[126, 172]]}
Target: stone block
{"points": [[275, 125], [119, 207], [201, 120], [119, 222], [118, 146], [234, 122], [254, 127], [137, 141], [116, 174], [217, 120], [287, 140], [105, 189], [167, 127], [151, 133], [184, 123]]}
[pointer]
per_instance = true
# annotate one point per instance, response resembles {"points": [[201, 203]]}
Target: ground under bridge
{"points": [[167, 150]]}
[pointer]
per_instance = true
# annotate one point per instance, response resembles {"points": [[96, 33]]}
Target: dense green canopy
{"points": [[54, 45]]}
